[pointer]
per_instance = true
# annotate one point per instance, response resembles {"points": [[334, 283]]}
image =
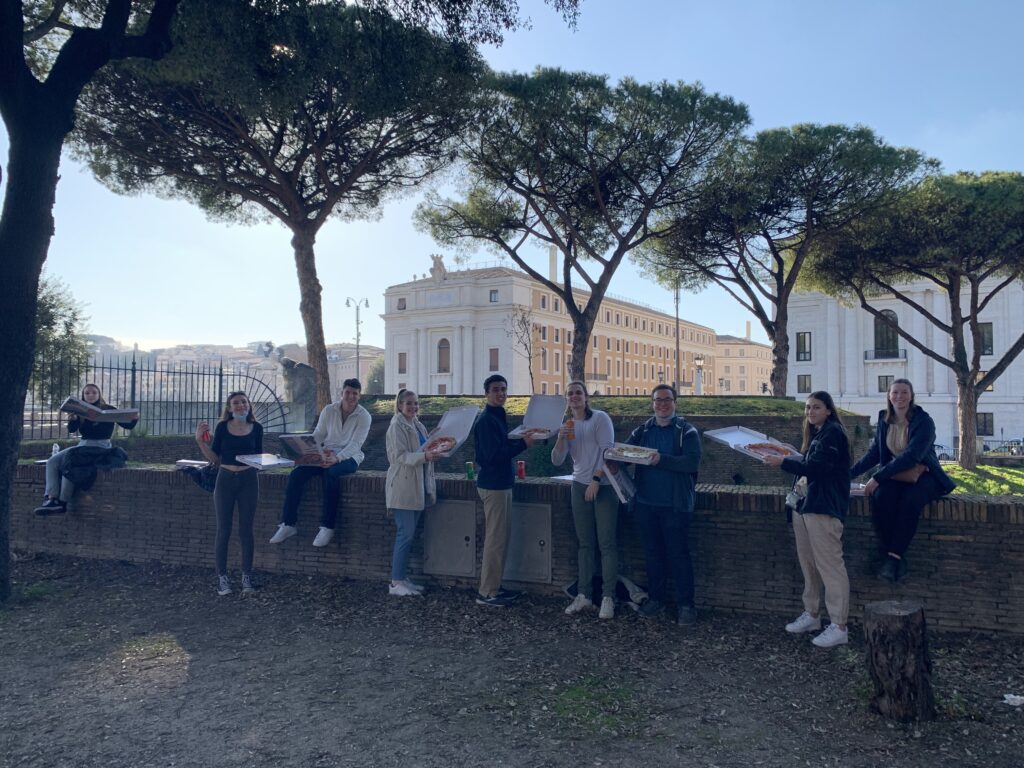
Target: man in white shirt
{"points": [[341, 430]]}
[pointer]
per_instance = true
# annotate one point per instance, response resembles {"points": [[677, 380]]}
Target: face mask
{"points": [[240, 416]]}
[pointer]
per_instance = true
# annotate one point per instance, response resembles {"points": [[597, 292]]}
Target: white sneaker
{"points": [[223, 586], [401, 589], [419, 588], [247, 587], [607, 608], [323, 537], [283, 532], [832, 636], [804, 623], [578, 604]]}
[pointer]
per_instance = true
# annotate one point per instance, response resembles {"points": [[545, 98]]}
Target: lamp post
{"points": [[349, 301], [678, 361], [721, 386], [698, 360]]}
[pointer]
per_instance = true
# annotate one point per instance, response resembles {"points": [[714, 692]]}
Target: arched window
{"points": [[444, 356], [887, 340]]}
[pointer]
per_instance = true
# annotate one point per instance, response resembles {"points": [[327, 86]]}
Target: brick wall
{"points": [[966, 561]]}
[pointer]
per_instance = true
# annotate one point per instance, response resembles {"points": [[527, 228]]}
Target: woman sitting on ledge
{"points": [[76, 466], [909, 475]]}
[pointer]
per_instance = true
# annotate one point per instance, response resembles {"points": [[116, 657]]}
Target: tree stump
{"points": [[898, 660]]}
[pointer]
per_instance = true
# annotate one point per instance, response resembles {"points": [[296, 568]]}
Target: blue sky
{"points": [[940, 76]]}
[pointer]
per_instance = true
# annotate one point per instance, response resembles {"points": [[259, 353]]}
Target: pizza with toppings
{"points": [[770, 449], [441, 444]]}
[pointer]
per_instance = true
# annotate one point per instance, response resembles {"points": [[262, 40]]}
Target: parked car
{"points": [[1014, 447], [943, 452]]}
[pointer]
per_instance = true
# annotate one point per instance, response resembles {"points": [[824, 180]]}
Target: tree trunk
{"points": [[967, 421], [898, 661], [26, 227], [312, 311], [779, 334]]}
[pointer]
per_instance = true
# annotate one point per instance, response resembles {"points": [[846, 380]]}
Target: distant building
{"points": [[742, 366], [446, 333], [847, 352]]}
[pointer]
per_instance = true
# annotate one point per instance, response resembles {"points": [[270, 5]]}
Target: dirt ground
{"points": [[114, 664]]}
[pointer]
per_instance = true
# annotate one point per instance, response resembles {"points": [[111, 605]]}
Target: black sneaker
{"points": [[509, 594], [52, 507], [651, 608], [687, 615], [494, 602], [890, 569]]}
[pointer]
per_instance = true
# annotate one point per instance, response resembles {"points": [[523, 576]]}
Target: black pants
{"points": [[241, 488], [665, 532], [896, 508]]}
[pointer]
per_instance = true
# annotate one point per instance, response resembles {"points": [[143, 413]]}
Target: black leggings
{"points": [[241, 488], [896, 508]]}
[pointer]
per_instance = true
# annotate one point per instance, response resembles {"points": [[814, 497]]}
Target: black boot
{"points": [[890, 569]]}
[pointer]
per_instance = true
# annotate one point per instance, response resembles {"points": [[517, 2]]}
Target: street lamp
{"points": [[349, 301], [698, 360], [678, 360], [721, 386]]}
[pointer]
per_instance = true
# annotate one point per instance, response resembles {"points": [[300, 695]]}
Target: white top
{"points": [[593, 436], [345, 439]]}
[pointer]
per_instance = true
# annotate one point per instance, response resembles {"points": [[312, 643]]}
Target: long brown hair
{"points": [[587, 413], [825, 399], [226, 415], [100, 402], [890, 412]]}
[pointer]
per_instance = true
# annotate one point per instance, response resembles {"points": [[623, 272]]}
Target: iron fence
{"points": [[171, 396]]}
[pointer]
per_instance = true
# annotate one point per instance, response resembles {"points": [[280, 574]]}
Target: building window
{"points": [[543, 333], [884, 382], [743, 352], [543, 387], [618, 345], [636, 371], [743, 385], [401, 304], [444, 358], [543, 301], [643, 326], [986, 338], [887, 339], [636, 347], [618, 319], [595, 342], [558, 388], [728, 369], [608, 344], [557, 334], [402, 362], [494, 296], [442, 389], [618, 367], [568, 337], [986, 425], [558, 308], [743, 370], [803, 346], [607, 316], [544, 360], [608, 367], [803, 384], [558, 364], [492, 355]]}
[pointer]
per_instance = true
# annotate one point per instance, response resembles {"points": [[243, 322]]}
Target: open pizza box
{"points": [[452, 431], [631, 454], [265, 460], [755, 444], [543, 417]]}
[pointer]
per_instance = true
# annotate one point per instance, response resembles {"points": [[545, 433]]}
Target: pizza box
{"points": [[740, 438], [191, 463], [631, 454], [455, 425], [543, 417], [265, 460], [82, 409]]}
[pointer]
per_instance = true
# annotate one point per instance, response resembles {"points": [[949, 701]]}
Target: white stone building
{"points": [[848, 353]]}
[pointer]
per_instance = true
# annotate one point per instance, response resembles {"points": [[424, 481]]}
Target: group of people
{"points": [[908, 477]]}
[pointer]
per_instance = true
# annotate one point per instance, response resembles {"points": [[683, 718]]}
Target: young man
{"points": [[666, 491], [341, 430], [494, 455]]}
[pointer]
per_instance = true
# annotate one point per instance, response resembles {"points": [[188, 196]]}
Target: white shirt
{"points": [[345, 439]]}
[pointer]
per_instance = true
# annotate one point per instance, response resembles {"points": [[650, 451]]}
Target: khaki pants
{"points": [[819, 547], [497, 523]]}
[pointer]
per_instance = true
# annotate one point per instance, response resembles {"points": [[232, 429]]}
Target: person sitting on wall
{"points": [[341, 429], [666, 492], [76, 467], [495, 452]]}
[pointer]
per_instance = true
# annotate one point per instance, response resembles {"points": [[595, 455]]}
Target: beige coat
{"points": [[408, 468]]}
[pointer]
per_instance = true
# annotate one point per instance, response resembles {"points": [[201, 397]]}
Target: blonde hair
{"points": [[401, 397]]}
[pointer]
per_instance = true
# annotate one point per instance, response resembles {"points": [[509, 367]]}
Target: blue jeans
{"points": [[407, 521], [332, 491], [666, 535]]}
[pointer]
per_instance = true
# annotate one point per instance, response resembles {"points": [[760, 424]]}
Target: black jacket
{"points": [[920, 450], [826, 467], [494, 450], [683, 463]]}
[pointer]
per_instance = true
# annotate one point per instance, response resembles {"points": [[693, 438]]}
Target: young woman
{"points": [[595, 508], [823, 490], [409, 487], [236, 434], [93, 434], [909, 475]]}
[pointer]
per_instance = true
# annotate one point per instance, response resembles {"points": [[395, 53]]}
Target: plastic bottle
{"points": [[56, 449]]}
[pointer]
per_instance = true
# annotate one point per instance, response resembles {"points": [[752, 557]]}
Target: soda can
{"points": [[470, 471], [521, 469]]}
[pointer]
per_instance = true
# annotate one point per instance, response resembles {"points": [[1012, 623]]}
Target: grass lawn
{"points": [[987, 480]]}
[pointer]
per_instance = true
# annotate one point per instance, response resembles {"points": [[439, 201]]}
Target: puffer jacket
{"points": [[410, 482]]}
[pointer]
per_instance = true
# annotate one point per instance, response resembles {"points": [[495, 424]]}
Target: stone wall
{"points": [[965, 563]]}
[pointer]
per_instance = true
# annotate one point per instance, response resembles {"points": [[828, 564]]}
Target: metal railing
{"points": [[885, 354], [171, 396]]}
